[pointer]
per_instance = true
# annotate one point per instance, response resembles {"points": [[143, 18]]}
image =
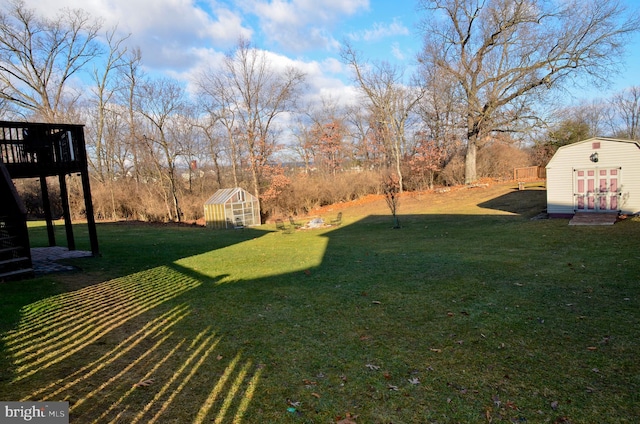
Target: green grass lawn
{"points": [[470, 313]]}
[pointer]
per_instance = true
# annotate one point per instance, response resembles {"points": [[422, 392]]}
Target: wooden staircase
{"points": [[15, 252]]}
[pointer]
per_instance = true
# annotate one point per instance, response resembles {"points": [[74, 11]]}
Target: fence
{"points": [[530, 173]]}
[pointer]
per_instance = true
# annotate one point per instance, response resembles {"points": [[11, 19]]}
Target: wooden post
{"points": [[88, 207], [68, 225], [46, 205], [86, 189]]}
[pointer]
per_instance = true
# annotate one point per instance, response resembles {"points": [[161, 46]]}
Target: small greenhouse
{"points": [[232, 208]]}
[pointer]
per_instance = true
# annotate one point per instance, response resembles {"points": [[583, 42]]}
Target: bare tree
{"points": [[503, 54], [440, 112], [391, 190], [391, 102], [626, 107], [303, 147], [222, 122], [104, 90], [131, 77], [596, 114], [38, 56], [363, 152], [214, 142], [320, 135], [161, 102], [254, 93]]}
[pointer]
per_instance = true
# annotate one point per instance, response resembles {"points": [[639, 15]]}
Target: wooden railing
{"points": [[50, 148]]}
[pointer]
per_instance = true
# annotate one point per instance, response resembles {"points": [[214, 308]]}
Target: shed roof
{"points": [[590, 140], [225, 194]]}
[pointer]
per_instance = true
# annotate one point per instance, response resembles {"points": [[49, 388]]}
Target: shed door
{"points": [[597, 189]]}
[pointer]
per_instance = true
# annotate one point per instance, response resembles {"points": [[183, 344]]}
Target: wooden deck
{"points": [[39, 150], [35, 149]]}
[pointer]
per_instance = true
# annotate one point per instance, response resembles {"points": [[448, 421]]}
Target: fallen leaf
{"points": [[488, 416], [315, 395], [414, 380], [450, 314], [592, 348], [554, 405], [145, 383], [435, 350], [219, 357], [372, 367], [376, 302], [365, 337], [387, 376], [349, 419], [392, 387]]}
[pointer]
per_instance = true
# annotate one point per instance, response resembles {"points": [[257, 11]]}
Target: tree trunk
{"points": [[470, 160]]}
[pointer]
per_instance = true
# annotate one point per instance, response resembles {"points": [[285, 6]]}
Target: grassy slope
{"points": [[471, 312]]}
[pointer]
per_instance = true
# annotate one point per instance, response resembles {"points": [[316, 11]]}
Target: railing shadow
{"points": [[127, 333]]}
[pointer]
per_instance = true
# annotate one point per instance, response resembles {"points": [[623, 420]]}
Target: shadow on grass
{"points": [[132, 348], [528, 203], [112, 345], [132, 250], [451, 301]]}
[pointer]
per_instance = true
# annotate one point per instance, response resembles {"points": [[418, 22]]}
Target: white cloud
{"points": [[396, 51], [180, 38], [299, 25], [228, 28], [380, 31], [169, 32]]}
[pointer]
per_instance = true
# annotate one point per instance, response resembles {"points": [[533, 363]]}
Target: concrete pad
{"points": [[44, 259], [593, 218]]}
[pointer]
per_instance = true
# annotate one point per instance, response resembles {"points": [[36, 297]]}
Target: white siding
{"points": [[613, 153]]}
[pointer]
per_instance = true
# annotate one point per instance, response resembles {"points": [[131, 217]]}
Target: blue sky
{"points": [[180, 37]]}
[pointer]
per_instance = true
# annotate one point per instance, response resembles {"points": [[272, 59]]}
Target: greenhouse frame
{"points": [[232, 208]]}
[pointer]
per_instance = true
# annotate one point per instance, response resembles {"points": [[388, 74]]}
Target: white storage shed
{"points": [[594, 175], [232, 208]]}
